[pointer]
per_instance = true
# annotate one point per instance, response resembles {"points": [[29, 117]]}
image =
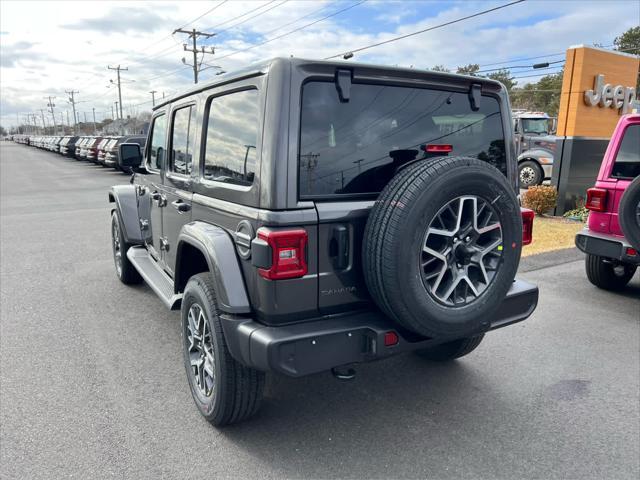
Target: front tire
{"points": [[606, 274], [224, 390], [451, 350], [530, 174], [126, 272]]}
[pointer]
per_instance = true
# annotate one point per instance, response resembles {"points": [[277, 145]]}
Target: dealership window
{"points": [[182, 140], [232, 138], [627, 163], [356, 147]]}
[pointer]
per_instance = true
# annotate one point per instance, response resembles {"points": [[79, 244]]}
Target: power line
{"points": [[510, 67], [539, 74], [401, 37], [239, 16], [324, 7], [254, 16], [295, 30]]}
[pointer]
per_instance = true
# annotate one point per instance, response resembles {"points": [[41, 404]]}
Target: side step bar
{"points": [[155, 277]]}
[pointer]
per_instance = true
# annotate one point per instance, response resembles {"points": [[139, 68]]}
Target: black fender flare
{"points": [[124, 197], [219, 250]]}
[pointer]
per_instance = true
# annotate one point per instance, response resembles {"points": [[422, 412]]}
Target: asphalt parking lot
{"points": [[92, 383]]}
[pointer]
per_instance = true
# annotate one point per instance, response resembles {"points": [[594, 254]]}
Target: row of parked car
{"points": [[102, 150]]}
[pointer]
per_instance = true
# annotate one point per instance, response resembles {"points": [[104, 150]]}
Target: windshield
{"points": [[356, 147], [539, 126]]}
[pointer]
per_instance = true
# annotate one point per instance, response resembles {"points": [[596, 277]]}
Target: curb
{"points": [[550, 259]]}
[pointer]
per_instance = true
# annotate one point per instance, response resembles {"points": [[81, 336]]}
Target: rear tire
{"points": [[224, 390], [451, 350], [530, 174], [605, 274]]}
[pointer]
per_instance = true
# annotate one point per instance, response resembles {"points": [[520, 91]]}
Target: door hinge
{"points": [[144, 224], [164, 244]]}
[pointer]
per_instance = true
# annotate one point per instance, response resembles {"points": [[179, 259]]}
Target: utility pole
{"points": [[51, 105], [193, 35], [117, 109], [153, 97], [62, 123], [94, 120], [85, 117], [72, 101], [74, 130], [118, 69], [44, 126]]}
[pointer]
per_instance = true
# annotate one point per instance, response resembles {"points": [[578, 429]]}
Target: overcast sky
{"points": [[49, 47]]}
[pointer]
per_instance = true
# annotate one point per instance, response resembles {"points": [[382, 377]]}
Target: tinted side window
{"points": [[182, 140], [232, 138], [628, 158], [356, 147], [157, 151]]}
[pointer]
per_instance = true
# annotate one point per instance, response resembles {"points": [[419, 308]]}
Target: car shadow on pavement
{"points": [[319, 417]]}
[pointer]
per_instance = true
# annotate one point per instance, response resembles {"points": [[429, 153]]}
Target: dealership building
{"points": [[598, 87]]}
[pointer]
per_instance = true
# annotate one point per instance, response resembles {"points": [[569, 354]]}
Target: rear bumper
{"points": [[316, 346], [608, 246]]}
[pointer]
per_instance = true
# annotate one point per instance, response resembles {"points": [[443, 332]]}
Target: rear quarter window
{"points": [[627, 163], [356, 147]]}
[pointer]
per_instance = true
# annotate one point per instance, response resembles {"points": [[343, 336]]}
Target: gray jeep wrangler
{"points": [[307, 216]]}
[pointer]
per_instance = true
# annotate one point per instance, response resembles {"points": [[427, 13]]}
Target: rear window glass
{"points": [[627, 164], [356, 147]]}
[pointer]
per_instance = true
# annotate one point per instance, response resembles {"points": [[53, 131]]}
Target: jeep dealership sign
{"points": [[607, 95]]}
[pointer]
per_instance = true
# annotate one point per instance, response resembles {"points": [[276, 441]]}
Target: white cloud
{"points": [[49, 47]]}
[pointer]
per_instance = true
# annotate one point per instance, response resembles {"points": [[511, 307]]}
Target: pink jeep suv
{"points": [[612, 238]]}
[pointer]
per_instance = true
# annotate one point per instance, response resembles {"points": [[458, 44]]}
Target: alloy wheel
{"points": [[117, 248], [200, 350], [461, 251]]}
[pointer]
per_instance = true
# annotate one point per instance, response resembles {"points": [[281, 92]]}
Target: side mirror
{"points": [[130, 155]]}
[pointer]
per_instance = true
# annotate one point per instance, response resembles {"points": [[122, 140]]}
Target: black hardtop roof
{"points": [[262, 68]]}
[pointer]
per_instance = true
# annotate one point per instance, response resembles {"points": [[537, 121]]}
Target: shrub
{"points": [[540, 198]]}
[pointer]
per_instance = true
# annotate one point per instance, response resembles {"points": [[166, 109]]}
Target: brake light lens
{"points": [[527, 225], [438, 148], [288, 253], [596, 199]]}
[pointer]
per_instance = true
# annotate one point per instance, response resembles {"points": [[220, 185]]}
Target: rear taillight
{"points": [[596, 199], [288, 253], [527, 225]]}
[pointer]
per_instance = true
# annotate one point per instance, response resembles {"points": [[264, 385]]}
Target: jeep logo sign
{"points": [[606, 95]]}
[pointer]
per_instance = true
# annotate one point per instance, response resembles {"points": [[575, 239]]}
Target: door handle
{"points": [[181, 206], [158, 197]]}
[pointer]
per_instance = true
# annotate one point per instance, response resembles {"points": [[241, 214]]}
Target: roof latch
{"points": [[343, 84], [475, 93]]}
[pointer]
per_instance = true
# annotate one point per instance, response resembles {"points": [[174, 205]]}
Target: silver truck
{"points": [[535, 146]]}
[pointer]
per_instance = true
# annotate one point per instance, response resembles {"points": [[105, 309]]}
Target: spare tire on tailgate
{"points": [[629, 213], [442, 246]]}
